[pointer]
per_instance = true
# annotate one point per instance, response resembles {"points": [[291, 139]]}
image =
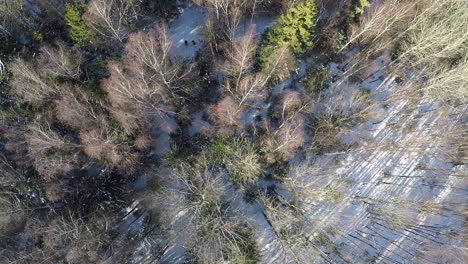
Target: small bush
{"points": [[79, 32], [328, 131], [240, 158], [38, 36], [318, 80], [360, 6], [286, 141]]}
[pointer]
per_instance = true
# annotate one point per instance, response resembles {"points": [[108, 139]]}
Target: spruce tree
{"points": [[79, 32], [294, 29]]}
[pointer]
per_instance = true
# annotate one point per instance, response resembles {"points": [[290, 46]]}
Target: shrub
{"points": [[79, 32], [285, 142], [328, 131], [240, 157], [38, 36], [360, 5], [317, 81]]}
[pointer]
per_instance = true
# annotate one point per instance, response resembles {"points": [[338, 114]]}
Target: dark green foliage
{"points": [[94, 88], [79, 32], [360, 5], [8, 110], [38, 36], [317, 81], [294, 29], [358, 8]]}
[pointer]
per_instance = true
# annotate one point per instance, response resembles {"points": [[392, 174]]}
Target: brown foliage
{"points": [[50, 153], [75, 108], [102, 142], [227, 115], [153, 52], [286, 140]]}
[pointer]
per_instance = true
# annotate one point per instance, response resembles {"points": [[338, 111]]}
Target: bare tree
{"points": [[227, 116], [284, 142], [13, 18], [134, 94], [110, 19], [28, 83], [103, 142], [61, 61], [430, 35], [248, 89], [240, 55], [153, 50], [51, 153], [76, 109], [223, 7], [144, 85]]}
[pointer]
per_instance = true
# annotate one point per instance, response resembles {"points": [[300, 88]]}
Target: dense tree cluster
{"points": [[273, 131]]}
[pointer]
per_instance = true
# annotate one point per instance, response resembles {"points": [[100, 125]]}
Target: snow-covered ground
{"points": [[188, 27], [397, 166]]}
